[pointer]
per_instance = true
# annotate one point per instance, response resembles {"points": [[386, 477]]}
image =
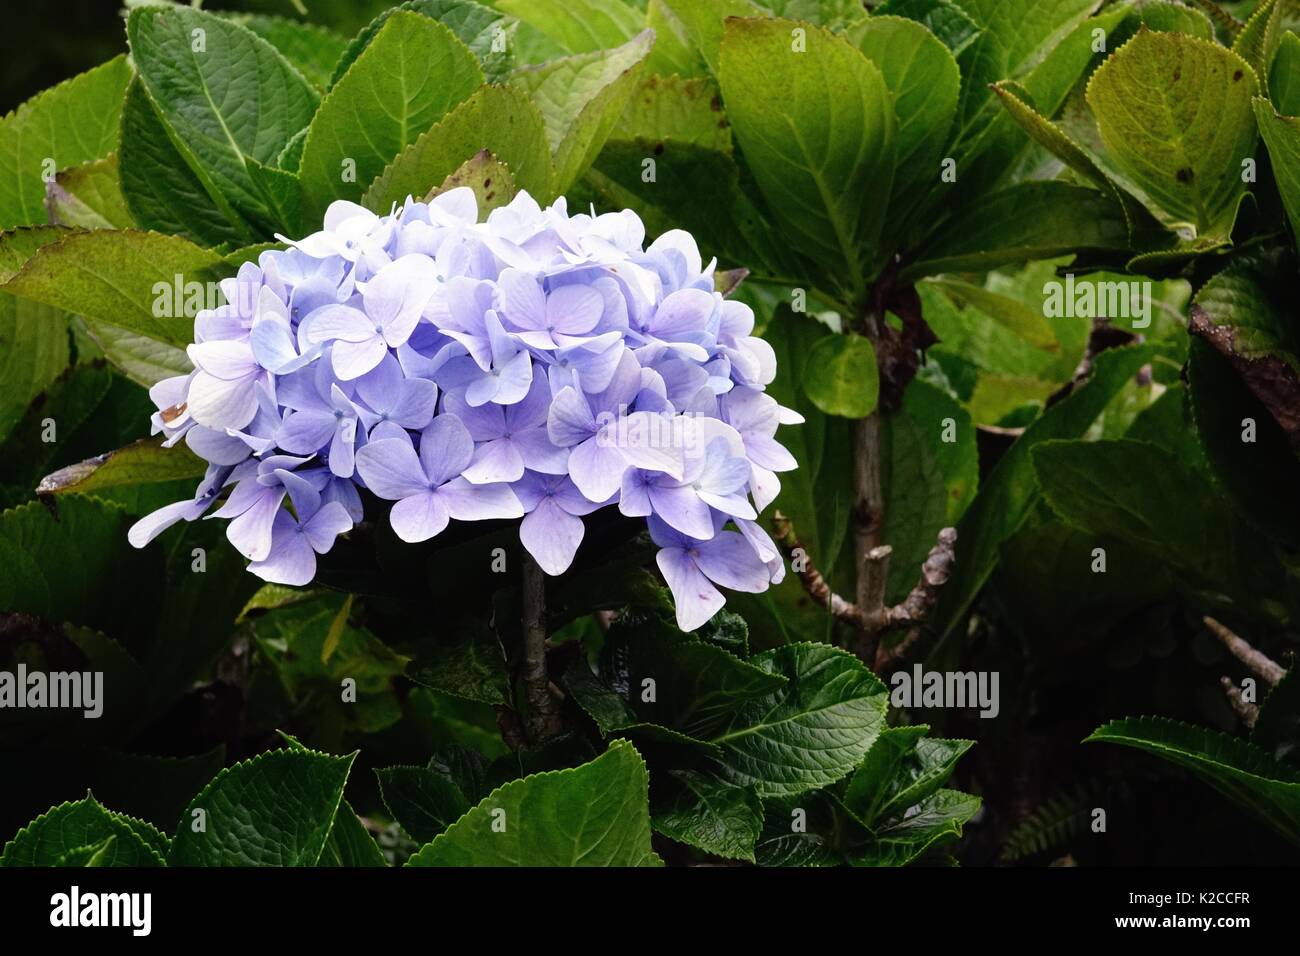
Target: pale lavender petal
{"points": [[303, 494], [224, 359], [696, 599], [573, 309], [570, 420], [325, 525], [446, 448], [596, 469], [468, 502], [250, 533], [496, 460], [683, 509], [155, 523], [354, 359], [391, 469], [342, 453], [514, 379], [341, 322], [216, 447], [768, 453], [419, 517], [417, 398], [305, 433], [522, 299], [730, 561], [220, 403], [552, 536], [539, 453], [291, 559], [484, 422]]}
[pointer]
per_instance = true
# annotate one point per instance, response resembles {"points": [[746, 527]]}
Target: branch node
{"points": [[1268, 670]]}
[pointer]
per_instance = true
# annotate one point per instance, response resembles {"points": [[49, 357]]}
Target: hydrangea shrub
{"points": [[535, 365]]}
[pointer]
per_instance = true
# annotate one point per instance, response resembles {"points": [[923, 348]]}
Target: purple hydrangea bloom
{"points": [[535, 365]]}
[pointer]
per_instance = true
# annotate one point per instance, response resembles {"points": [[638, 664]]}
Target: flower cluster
{"points": [[535, 365]]}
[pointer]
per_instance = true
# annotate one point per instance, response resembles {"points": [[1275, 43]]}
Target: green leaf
{"points": [[145, 462], [143, 360], [72, 123], [580, 98], [489, 35], [930, 479], [156, 789], [472, 667], [946, 20], [160, 189], [1016, 36], [312, 49], [803, 831], [840, 376], [249, 822], [409, 77], [594, 815], [73, 566], [294, 639], [819, 133], [677, 109], [1248, 314], [502, 120], [579, 26], [1169, 512], [349, 844], [938, 822], [923, 79], [33, 351], [1010, 493], [673, 52], [1282, 137], [491, 180], [1241, 771], [1175, 18], [1284, 78], [423, 801], [1258, 41], [704, 21], [711, 816], [1030, 220], [89, 196], [903, 768], [220, 117], [1277, 729], [79, 824], [124, 278], [1050, 136], [696, 684], [809, 733], [1183, 147], [1261, 475]]}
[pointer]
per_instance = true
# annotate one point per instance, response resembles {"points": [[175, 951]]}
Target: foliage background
{"points": [[1073, 652]]}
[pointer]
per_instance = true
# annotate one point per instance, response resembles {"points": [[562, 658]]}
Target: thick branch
{"points": [[872, 565], [1247, 711], [543, 709], [1269, 670], [935, 571], [811, 579], [911, 611]]}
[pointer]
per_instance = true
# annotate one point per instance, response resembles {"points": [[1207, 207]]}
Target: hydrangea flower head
{"points": [[535, 365]]}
